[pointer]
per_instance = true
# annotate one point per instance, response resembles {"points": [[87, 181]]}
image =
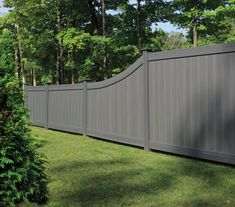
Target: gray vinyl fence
{"points": [[180, 101]]}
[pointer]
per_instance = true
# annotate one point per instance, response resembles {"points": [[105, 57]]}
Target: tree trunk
{"points": [[18, 57], [74, 25], [106, 75], [195, 36], [139, 25], [33, 77], [103, 18], [104, 34], [57, 67], [71, 59], [72, 77], [94, 19], [60, 51]]}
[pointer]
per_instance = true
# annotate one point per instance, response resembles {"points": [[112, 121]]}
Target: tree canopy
{"points": [[69, 41]]}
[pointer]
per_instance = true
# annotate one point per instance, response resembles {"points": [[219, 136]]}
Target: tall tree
{"points": [[138, 24], [18, 56], [134, 24], [199, 16], [94, 19], [45, 58]]}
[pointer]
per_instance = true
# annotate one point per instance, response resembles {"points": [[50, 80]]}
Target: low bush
{"points": [[22, 176]]}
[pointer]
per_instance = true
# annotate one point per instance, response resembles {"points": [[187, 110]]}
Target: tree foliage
{"points": [[206, 20], [69, 41], [21, 166]]}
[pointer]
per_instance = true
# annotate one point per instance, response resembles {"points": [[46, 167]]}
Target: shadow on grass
{"points": [[103, 187], [110, 182], [96, 164]]}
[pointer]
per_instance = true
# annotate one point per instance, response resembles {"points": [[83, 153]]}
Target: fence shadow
{"points": [[209, 121], [115, 180]]}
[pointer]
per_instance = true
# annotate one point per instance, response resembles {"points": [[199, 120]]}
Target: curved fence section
{"points": [[115, 108], [180, 101]]}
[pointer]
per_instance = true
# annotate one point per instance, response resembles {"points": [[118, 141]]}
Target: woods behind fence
{"points": [[180, 101]]}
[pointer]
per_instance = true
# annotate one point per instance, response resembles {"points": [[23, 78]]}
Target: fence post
{"points": [[84, 108], [146, 99], [46, 105]]}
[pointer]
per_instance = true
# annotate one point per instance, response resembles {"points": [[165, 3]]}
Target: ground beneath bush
{"points": [[90, 172]]}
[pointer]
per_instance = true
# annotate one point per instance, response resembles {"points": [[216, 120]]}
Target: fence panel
{"points": [[35, 102], [179, 101], [192, 104], [115, 107], [65, 108]]}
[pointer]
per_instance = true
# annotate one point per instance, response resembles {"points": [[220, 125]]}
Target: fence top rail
{"points": [[35, 88], [102, 84], [65, 87], [191, 52], [62, 87], [94, 85]]}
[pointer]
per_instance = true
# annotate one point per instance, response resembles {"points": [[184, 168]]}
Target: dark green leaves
{"points": [[21, 166]]}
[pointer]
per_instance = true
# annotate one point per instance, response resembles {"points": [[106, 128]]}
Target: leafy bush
{"points": [[22, 176]]}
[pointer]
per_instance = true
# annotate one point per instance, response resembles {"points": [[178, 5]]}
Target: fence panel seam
{"points": [[146, 99], [46, 105]]}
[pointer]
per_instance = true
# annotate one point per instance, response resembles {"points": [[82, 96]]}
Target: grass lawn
{"points": [[90, 172]]}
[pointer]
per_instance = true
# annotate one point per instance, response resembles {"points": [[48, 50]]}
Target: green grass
{"points": [[90, 172]]}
